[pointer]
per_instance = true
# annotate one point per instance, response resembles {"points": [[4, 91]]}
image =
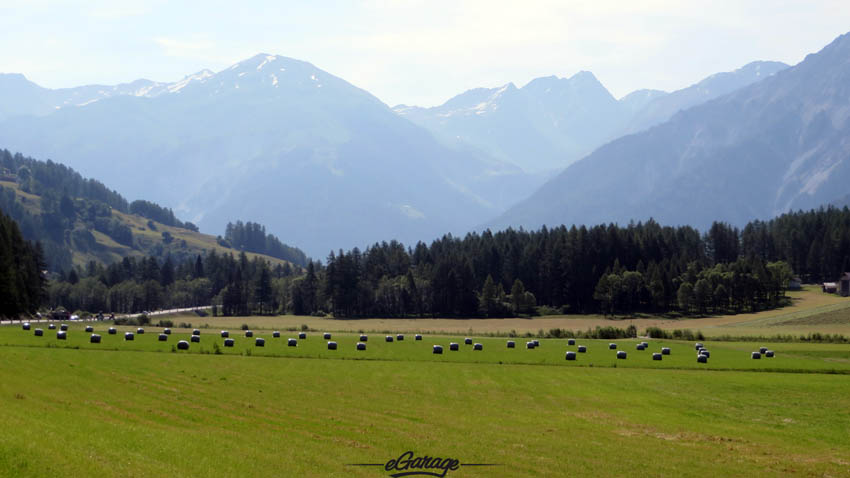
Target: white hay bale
{"points": [[63, 327], [112, 331], [225, 334], [705, 352], [621, 354], [140, 331], [302, 335], [361, 346], [769, 354], [163, 337], [571, 341], [196, 332], [292, 343], [61, 335], [196, 338], [612, 346], [26, 326], [399, 337], [89, 328], [529, 345], [276, 334], [582, 349], [331, 345], [756, 355], [570, 355], [229, 342], [438, 349], [702, 359], [129, 336], [478, 346], [249, 333], [389, 338], [763, 350], [183, 345], [327, 336], [166, 331], [51, 326], [39, 332], [656, 356], [417, 337], [260, 342], [467, 341], [697, 346], [95, 339], [454, 346], [640, 347], [665, 351], [364, 338], [511, 344]]}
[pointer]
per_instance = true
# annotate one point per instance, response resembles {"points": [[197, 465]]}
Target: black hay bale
{"points": [[225, 333], [769, 354], [571, 355], [196, 338], [89, 328], [163, 337], [571, 341], [196, 332], [303, 335], [51, 326], [229, 342], [276, 334], [26, 326], [621, 354], [454, 346], [95, 339], [705, 352], [756, 355], [702, 359], [61, 335], [129, 336], [166, 331], [645, 344], [529, 345], [478, 347], [763, 350], [183, 345], [665, 351], [63, 327], [536, 343], [364, 338], [656, 356], [327, 336], [39, 332], [438, 349], [612, 346], [361, 346], [389, 338], [331, 345], [260, 342], [417, 337], [697, 346], [140, 331], [249, 333], [511, 344], [467, 341], [640, 347], [582, 349], [292, 343], [399, 337], [112, 331]]}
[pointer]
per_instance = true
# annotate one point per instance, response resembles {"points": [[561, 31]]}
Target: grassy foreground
{"points": [[73, 412]]}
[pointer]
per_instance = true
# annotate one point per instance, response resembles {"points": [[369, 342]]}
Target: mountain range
{"points": [[779, 144]]}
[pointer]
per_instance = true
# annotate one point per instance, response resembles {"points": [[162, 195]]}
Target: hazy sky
{"points": [[412, 51]]}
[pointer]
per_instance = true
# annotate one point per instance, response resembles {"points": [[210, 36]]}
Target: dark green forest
{"points": [[21, 265]]}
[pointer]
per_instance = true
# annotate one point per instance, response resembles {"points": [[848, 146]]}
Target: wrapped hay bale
{"points": [[467, 341], [697, 346], [95, 339], [665, 351], [182, 345], [571, 341], [140, 331], [196, 332], [51, 326], [399, 337], [364, 338], [438, 349], [656, 356], [478, 347], [529, 345], [621, 354], [361, 346], [260, 342], [570, 355], [417, 337], [225, 334], [163, 337], [61, 335], [327, 336], [166, 331], [612, 346], [229, 342], [249, 333], [129, 336], [303, 335], [276, 334], [702, 359], [26, 326], [292, 343], [39, 332], [63, 327], [582, 349], [196, 338], [331, 345], [511, 344], [389, 338], [756, 355], [768, 354], [112, 331], [89, 328], [453, 346]]}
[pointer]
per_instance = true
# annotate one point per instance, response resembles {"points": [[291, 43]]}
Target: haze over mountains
{"points": [[780, 144], [326, 165]]}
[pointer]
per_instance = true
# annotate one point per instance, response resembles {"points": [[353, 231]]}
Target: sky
{"points": [[416, 52]]}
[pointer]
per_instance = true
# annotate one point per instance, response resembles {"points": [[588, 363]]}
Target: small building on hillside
{"points": [[795, 284], [844, 285], [830, 287]]}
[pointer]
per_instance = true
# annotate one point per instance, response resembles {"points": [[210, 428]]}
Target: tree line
{"points": [[22, 280]]}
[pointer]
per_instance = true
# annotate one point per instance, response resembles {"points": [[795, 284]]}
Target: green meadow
{"points": [[143, 408]]}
